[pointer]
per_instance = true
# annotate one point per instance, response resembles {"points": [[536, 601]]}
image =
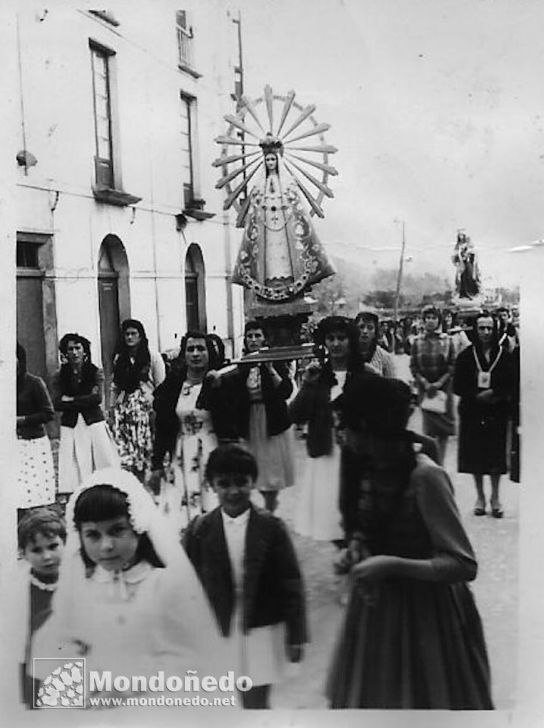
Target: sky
{"points": [[437, 111]]}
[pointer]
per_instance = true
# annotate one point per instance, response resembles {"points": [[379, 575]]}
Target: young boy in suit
{"points": [[248, 568]]}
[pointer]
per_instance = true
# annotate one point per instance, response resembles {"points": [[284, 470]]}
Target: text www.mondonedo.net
{"points": [[199, 701]]}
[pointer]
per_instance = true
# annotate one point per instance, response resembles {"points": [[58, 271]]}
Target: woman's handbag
{"points": [[435, 404]]}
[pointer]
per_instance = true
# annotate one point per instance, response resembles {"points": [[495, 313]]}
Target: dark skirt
{"points": [[410, 644], [482, 443], [514, 453]]}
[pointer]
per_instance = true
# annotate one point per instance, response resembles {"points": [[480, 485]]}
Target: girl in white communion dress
{"points": [[128, 599]]}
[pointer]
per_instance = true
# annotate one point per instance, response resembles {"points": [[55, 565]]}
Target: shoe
{"points": [[497, 512], [479, 511]]}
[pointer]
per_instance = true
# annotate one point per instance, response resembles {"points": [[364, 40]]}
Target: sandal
{"points": [[497, 512], [479, 510]]}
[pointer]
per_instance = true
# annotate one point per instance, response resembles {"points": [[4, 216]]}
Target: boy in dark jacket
{"points": [[248, 568]]}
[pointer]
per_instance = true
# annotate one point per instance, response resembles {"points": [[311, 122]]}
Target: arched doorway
{"points": [[195, 289], [113, 300]]}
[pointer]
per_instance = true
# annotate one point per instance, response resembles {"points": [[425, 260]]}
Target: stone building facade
{"points": [[117, 213]]}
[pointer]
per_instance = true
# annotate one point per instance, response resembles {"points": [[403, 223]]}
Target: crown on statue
{"points": [[271, 144]]}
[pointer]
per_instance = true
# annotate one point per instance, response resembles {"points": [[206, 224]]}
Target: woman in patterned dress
{"points": [[136, 373], [35, 474], [184, 431]]}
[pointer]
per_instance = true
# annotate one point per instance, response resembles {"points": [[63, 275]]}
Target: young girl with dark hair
{"points": [[411, 636], [136, 374], [128, 599], [86, 443]]}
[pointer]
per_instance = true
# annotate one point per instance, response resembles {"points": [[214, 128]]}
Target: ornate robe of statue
{"points": [[280, 254]]}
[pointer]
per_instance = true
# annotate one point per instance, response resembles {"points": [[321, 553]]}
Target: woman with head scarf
{"points": [[136, 374], [411, 637], [86, 443], [35, 472], [484, 379], [376, 359]]}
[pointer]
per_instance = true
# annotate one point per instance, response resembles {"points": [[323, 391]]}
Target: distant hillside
{"points": [[355, 284]]}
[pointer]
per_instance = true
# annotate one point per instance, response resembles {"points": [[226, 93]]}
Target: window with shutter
{"points": [[185, 36], [102, 117], [186, 108], [107, 185]]}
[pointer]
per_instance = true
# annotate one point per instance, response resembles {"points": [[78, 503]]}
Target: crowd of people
{"points": [[154, 542]]}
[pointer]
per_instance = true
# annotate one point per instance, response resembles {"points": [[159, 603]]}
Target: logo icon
{"points": [[64, 686]]}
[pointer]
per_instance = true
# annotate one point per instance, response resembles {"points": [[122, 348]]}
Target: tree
{"points": [[326, 292]]}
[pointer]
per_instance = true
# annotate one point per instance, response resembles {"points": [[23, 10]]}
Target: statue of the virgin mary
{"points": [[280, 255], [467, 277]]}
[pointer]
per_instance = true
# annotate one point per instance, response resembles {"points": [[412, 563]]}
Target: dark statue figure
{"points": [[467, 278]]}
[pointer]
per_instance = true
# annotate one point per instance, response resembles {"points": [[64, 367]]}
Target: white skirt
{"points": [[274, 455], [35, 473], [259, 654], [318, 515], [82, 450]]}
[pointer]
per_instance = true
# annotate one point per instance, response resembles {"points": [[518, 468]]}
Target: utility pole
{"points": [[399, 276], [237, 97], [239, 86], [239, 70]]}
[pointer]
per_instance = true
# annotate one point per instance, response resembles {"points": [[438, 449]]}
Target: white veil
{"points": [[181, 618]]}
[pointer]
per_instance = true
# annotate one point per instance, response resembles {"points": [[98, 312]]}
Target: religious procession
{"points": [[297, 499]]}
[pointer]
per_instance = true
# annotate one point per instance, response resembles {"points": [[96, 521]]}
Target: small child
{"points": [[41, 536], [249, 570]]}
